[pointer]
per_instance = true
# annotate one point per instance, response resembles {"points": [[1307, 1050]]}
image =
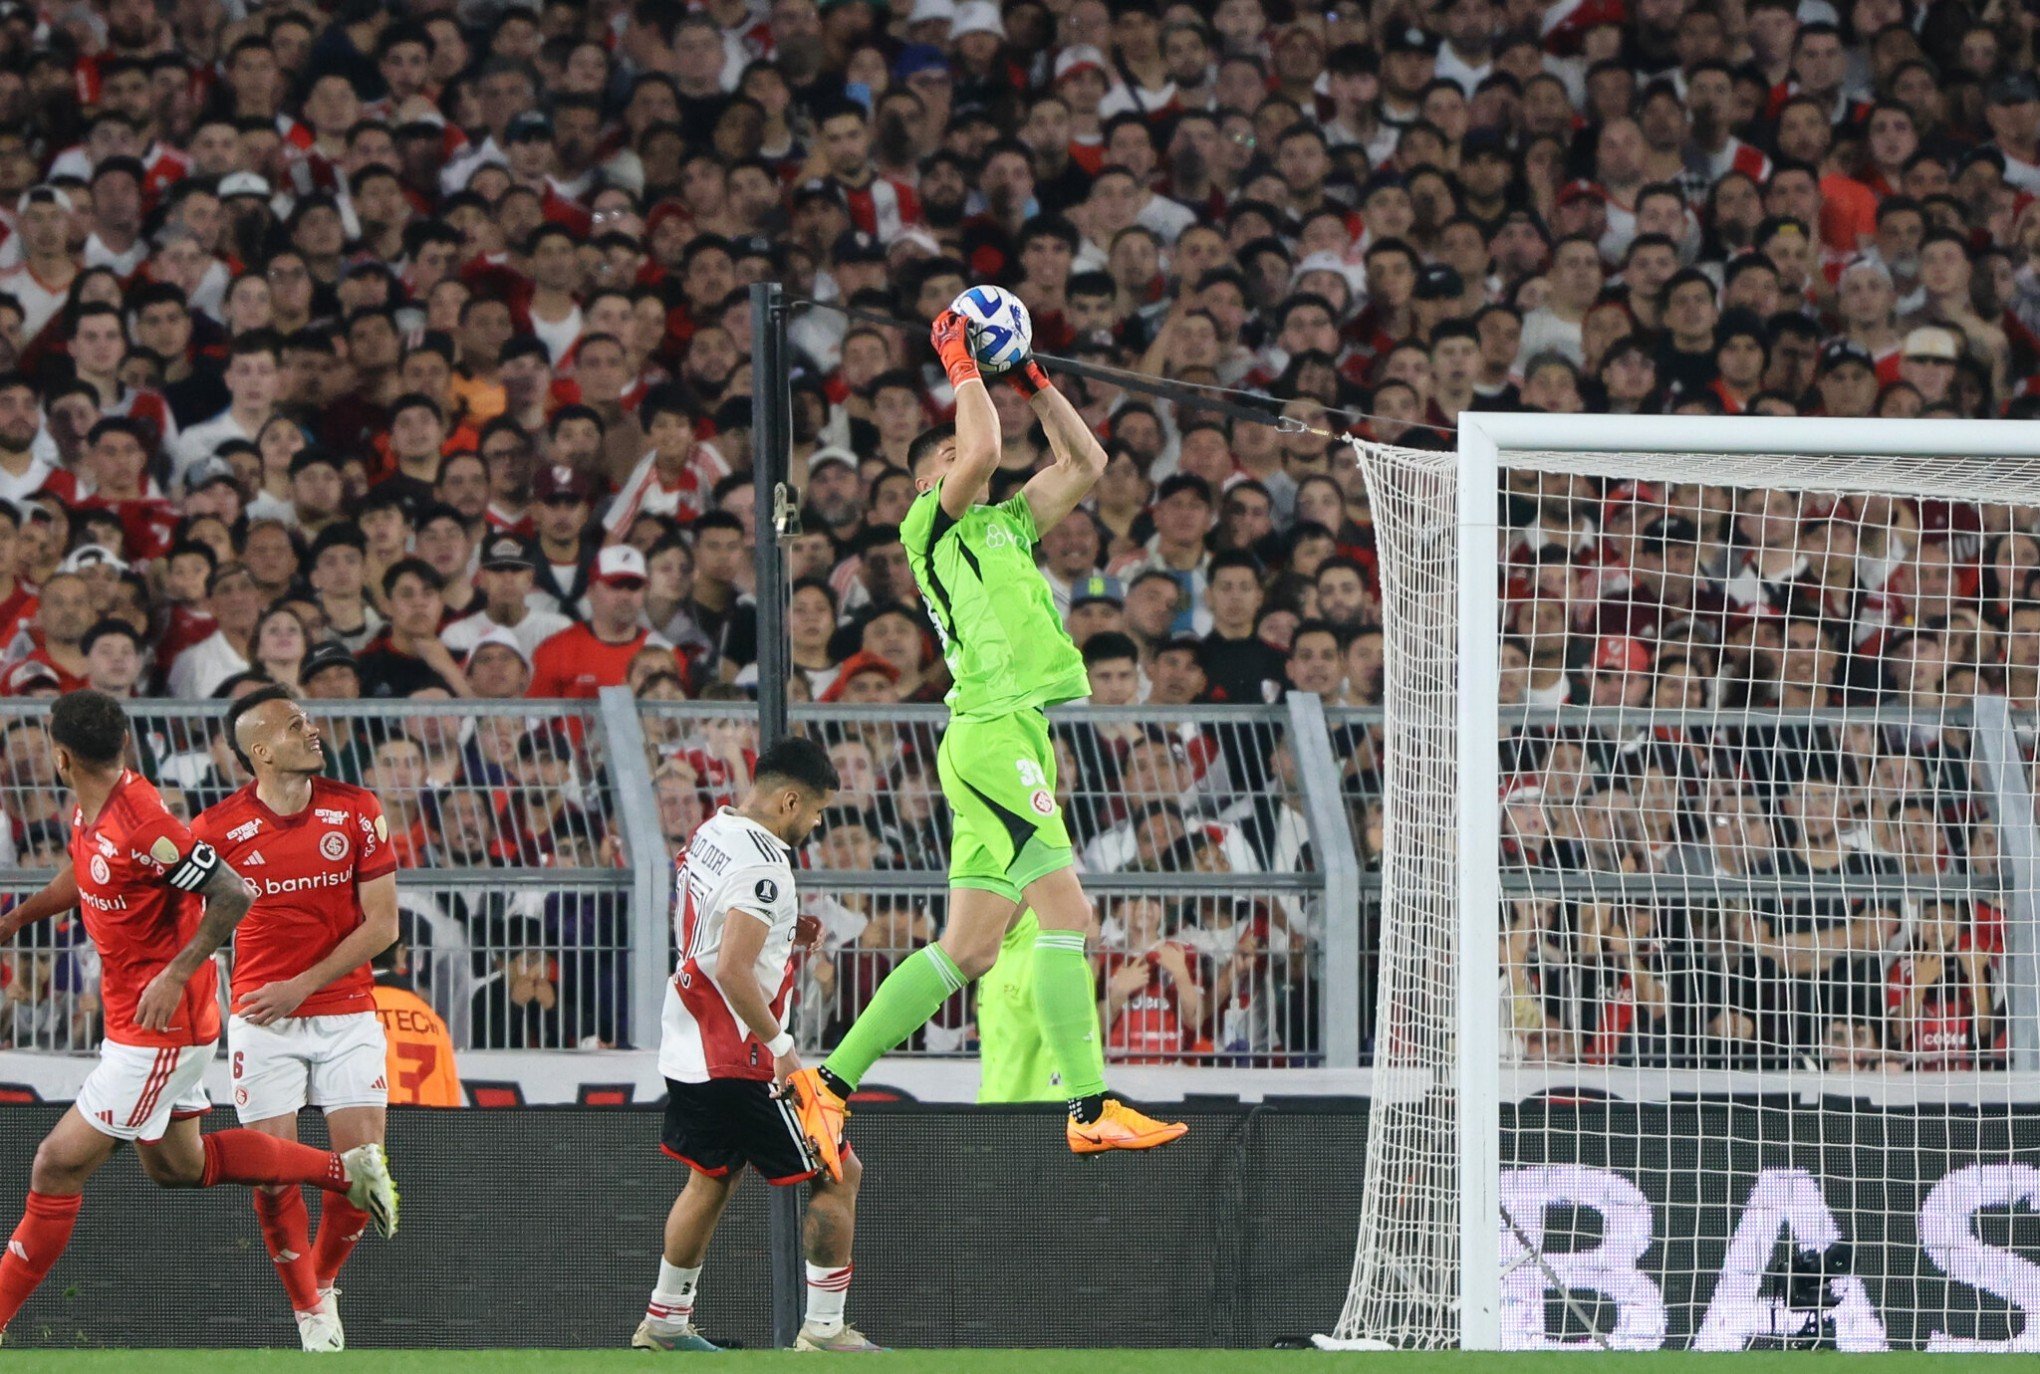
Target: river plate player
{"points": [[724, 1048], [1010, 659]]}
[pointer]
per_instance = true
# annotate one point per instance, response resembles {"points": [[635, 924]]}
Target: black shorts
{"points": [[718, 1127]]}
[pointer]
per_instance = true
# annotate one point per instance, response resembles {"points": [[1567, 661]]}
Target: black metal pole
{"points": [[772, 445]]}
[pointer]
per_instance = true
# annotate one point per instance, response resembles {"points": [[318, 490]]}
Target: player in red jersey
{"points": [[137, 875], [304, 1028]]}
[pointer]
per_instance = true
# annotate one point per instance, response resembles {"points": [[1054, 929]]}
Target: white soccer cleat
{"points": [[319, 1331], [844, 1340], [370, 1187], [329, 1306]]}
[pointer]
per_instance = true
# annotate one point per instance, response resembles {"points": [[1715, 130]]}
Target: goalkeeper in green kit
{"points": [[1010, 659]]}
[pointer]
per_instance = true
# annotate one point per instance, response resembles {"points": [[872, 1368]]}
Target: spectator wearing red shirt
{"points": [[582, 659], [61, 620], [1153, 1003]]}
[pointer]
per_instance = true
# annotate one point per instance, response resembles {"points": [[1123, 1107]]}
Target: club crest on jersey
{"points": [[1043, 801], [245, 830], [333, 845], [101, 873], [767, 890], [332, 817]]}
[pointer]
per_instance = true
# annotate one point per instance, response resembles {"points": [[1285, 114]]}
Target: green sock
{"points": [[1066, 1005], [910, 994]]}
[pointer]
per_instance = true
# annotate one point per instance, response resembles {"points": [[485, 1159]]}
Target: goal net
{"points": [[1709, 1010]]}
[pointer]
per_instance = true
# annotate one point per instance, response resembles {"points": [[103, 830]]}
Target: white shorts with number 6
{"points": [[300, 1061]]}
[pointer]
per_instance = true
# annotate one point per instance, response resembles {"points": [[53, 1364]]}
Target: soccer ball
{"points": [[1000, 332]]}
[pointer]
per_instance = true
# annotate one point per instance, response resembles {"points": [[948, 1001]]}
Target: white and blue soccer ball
{"points": [[1001, 335]]}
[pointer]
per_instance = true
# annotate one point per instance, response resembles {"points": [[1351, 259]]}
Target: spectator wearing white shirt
{"points": [[235, 603], [506, 579], [116, 240], [22, 470], [1576, 279], [42, 281], [253, 378]]}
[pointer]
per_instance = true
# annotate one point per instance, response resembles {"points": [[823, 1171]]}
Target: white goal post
{"points": [[1745, 964]]}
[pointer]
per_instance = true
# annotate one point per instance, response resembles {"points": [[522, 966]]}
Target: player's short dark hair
{"points": [[716, 520], [1316, 627], [1232, 558], [412, 567], [111, 625], [925, 443], [91, 724], [1108, 645], [254, 341], [801, 762], [1341, 561], [261, 696]]}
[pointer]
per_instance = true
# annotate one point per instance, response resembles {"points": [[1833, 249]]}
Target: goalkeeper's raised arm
{"points": [[978, 439], [1079, 458]]}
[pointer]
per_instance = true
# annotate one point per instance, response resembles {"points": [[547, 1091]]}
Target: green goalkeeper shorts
{"points": [[999, 777]]}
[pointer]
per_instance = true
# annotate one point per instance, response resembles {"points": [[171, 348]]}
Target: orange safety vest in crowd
{"points": [[421, 1067]]}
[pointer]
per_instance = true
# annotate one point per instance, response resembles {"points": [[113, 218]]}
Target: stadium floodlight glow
{"points": [[1708, 931]]}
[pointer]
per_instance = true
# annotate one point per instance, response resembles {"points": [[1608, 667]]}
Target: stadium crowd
{"points": [[1762, 887], [401, 351]]}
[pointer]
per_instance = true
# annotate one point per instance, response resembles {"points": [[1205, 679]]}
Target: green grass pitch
{"points": [[977, 1362]]}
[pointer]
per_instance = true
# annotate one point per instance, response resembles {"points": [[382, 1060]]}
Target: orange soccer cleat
{"points": [[1120, 1127], [820, 1114]]}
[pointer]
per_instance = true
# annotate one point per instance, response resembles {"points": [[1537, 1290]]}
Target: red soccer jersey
{"points": [[575, 664], [137, 869], [307, 869]]}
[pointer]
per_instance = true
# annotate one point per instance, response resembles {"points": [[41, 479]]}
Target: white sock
{"points": [[827, 1287], [672, 1304]]}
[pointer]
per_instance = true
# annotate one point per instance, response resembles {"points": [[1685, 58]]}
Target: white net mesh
{"points": [[1766, 986], [1405, 1273]]}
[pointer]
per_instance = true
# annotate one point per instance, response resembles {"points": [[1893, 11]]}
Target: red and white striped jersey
{"points": [[731, 865], [882, 207]]}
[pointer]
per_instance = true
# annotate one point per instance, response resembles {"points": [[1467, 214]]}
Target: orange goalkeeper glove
{"points": [[1029, 377], [951, 336]]}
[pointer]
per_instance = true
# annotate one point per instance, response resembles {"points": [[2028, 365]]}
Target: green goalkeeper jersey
{"points": [[1006, 647]]}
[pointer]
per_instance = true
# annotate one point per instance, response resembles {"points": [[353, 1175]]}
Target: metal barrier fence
{"points": [[1213, 851], [1189, 972], [1847, 889], [519, 900], [535, 871], [1358, 737]]}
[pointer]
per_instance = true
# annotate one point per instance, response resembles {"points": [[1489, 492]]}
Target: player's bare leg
{"points": [[75, 1149], [1063, 988], [828, 1236], [669, 1316], [310, 1268], [69, 1155], [969, 944]]}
